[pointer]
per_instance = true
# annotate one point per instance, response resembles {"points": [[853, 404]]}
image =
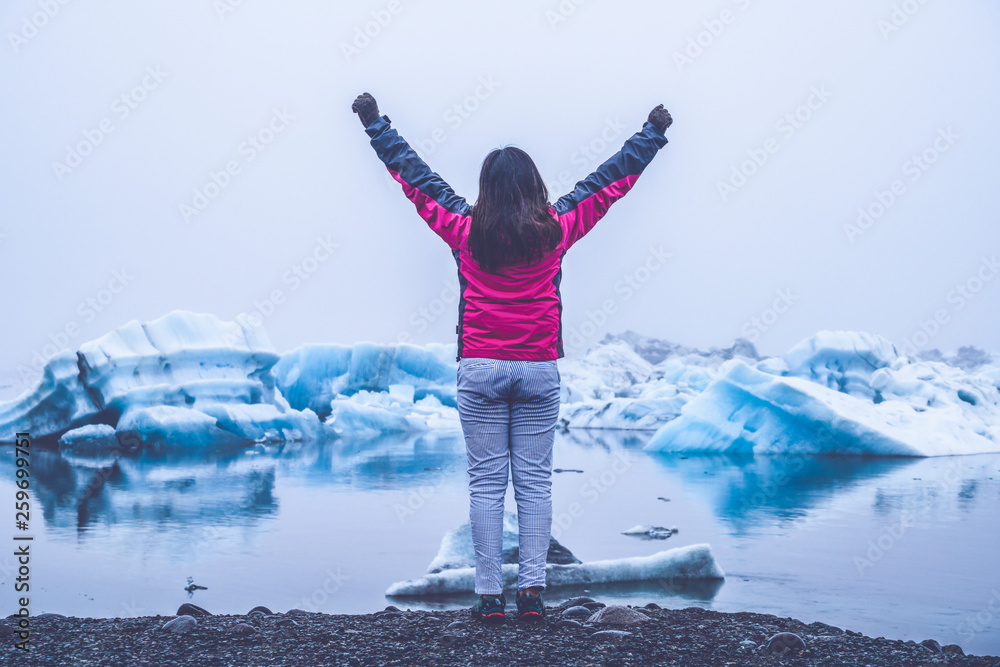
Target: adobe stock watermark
{"points": [[913, 169], [591, 491], [248, 151], [625, 288], [121, 108], [224, 8], [899, 16], [32, 24], [587, 155], [786, 126], [562, 12], [87, 311], [333, 582], [424, 316], [982, 620], [416, 499], [456, 115], [713, 29], [369, 30], [957, 298], [294, 277], [757, 325], [915, 506]]}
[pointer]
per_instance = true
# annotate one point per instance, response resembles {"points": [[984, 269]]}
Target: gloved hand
{"points": [[366, 108], [659, 117]]}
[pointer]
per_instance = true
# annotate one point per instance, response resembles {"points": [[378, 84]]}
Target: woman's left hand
{"points": [[366, 108]]}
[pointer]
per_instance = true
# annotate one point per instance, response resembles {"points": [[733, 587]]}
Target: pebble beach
{"points": [[579, 632]]}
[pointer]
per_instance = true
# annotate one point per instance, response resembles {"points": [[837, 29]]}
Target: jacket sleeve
{"points": [[580, 210], [447, 214]]}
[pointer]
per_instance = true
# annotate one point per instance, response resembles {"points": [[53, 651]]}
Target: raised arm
{"points": [[580, 210], [447, 214]]}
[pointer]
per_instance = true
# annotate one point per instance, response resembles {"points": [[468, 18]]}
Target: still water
{"points": [[900, 548]]}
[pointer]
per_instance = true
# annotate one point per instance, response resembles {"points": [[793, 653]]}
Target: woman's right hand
{"points": [[366, 108], [660, 117]]}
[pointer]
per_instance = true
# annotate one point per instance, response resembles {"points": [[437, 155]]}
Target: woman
{"points": [[509, 247]]}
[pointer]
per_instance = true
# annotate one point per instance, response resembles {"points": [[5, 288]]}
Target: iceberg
{"points": [[453, 569], [631, 382], [312, 376], [370, 414], [839, 393], [89, 439], [457, 551], [184, 376], [691, 562], [57, 403]]}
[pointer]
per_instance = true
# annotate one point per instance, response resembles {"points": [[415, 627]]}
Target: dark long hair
{"points": [[511, 222]]}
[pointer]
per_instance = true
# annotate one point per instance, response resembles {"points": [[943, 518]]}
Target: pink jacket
{"points": [[517, 312]]}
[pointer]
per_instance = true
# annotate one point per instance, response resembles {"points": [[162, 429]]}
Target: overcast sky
{"points": [[120, 120]]}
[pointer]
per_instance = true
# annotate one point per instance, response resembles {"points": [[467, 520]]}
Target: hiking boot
{"points": [[529, 607], [490, 609]]}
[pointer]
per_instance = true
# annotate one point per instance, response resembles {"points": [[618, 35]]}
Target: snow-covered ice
{"points": [[89, 439], [193, 379], [457, 551], [632, 382], [691, 562], [186, 376], [650, 532], [839, 393], [312, 376], [371, 413], [453, 568]]}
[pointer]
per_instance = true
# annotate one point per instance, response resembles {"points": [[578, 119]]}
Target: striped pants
{"points": [[509, 411]]}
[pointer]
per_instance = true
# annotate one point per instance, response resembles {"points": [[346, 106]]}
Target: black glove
{"points": [[366, 108], [659, 117]]}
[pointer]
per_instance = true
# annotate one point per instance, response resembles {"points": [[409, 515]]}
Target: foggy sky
{"points": [[789, 117]]}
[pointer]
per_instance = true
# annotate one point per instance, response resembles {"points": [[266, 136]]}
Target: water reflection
{"points": [[187, 486], [748, 492]]}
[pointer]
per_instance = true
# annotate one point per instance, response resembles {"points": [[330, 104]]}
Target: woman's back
{"points": [[512, 310]]}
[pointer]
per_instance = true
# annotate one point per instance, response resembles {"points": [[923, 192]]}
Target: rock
{"points": [[784, 640], [455, 625], [262, 609], [180, 625], [931, 645], [557, 554], [188, 609], [618, 615], [50, 614], [243, 630], [577, 612], [7, 633], [952, 648], [576, 602], [610, 634], [746, 643], [451, 640], [566, 623]]}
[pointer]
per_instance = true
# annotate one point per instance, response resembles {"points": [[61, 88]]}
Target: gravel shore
{"points": [[583, 633]]}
